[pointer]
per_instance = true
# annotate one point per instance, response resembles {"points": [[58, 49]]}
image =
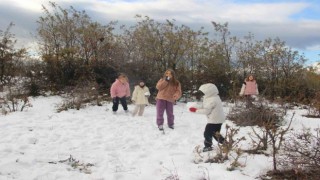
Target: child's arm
{"points": [[197, 105], [161, 84], [206, 109], [128, 90], [146, 91], [178, 93], [134, 95], [113, 92], [242, 89]]}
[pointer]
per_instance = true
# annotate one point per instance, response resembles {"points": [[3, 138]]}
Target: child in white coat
{"points": [[213, 109], [140, 97]]}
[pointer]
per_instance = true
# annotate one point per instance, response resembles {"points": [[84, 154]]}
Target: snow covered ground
{"points": [[35, 143]]}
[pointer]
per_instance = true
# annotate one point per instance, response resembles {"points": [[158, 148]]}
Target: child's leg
{"points": [[249, 101], [208, 132], [161, 106], [216, 133], [141, 109], [124, 103], [170, 116], [115, 105], [135, 110]]}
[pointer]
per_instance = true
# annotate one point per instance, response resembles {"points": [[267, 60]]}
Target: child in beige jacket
{"points": [[140, 97]]}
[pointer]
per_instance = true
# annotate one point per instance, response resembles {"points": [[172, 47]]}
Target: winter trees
{"points": [[73, 47], [10, 57]]}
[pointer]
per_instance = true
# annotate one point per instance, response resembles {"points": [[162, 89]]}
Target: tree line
{"points": [[74, 48]]}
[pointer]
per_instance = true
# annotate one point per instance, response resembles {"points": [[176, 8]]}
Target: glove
{"points": [[192, 109], [167, 78]]}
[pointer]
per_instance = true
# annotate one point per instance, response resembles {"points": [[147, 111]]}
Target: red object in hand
{"points": [[192, 109]]}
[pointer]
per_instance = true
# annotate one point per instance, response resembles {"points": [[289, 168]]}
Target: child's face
{"points": [[122, 79], [168, 73], [141, 83], [250, 78]]}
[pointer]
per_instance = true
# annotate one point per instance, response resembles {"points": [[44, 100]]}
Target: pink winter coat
{"points": [[249, 88], [119, 89]]}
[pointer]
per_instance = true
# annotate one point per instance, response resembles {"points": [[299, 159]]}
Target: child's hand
{"points": [[192, 109], [147, 94], [175, 97]]}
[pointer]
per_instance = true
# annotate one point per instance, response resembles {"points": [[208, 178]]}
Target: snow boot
{"points": [[206, 149]]}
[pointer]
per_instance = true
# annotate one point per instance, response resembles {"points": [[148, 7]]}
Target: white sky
{"points": [[297, 21]]}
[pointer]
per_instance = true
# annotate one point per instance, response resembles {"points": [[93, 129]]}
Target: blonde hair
{"points": [[122, 75]]}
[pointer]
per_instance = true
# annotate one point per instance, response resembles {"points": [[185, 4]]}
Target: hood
{"points": [[209, 89]]}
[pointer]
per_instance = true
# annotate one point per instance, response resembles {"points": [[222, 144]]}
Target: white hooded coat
{"points": [[140, 95], [212, 105]]}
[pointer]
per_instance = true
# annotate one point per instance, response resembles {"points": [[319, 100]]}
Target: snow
{"points": [[119, 146]]}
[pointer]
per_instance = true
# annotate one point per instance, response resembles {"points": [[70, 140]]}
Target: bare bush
{"points": [[299, 158], [205, 173], [314, 108], [36, 80], [231, 142], [76, 164], [173, 173], [229, 150], [14, 98], [266, 134], [301, 151], [276, 135], [85, 92], [269, 120], [256, 114]]}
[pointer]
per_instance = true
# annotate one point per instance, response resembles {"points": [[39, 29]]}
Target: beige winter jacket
{"points": [[140, 95], [168, 92]]}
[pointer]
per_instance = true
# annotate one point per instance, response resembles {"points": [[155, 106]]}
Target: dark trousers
{"points": [[249, 100], [212, 130], [123, 102]]}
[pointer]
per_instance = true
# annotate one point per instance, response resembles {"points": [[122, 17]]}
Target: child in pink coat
{"points": [[119, 91], [249, 88]]}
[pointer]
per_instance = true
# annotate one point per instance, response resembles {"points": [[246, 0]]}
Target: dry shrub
{"points": [[291, 174], [85, 92], [268, 121], [229, 150], [76, 164], [299, 158], [314, 109], [256, 115], [14, 97], [301, 153]]}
